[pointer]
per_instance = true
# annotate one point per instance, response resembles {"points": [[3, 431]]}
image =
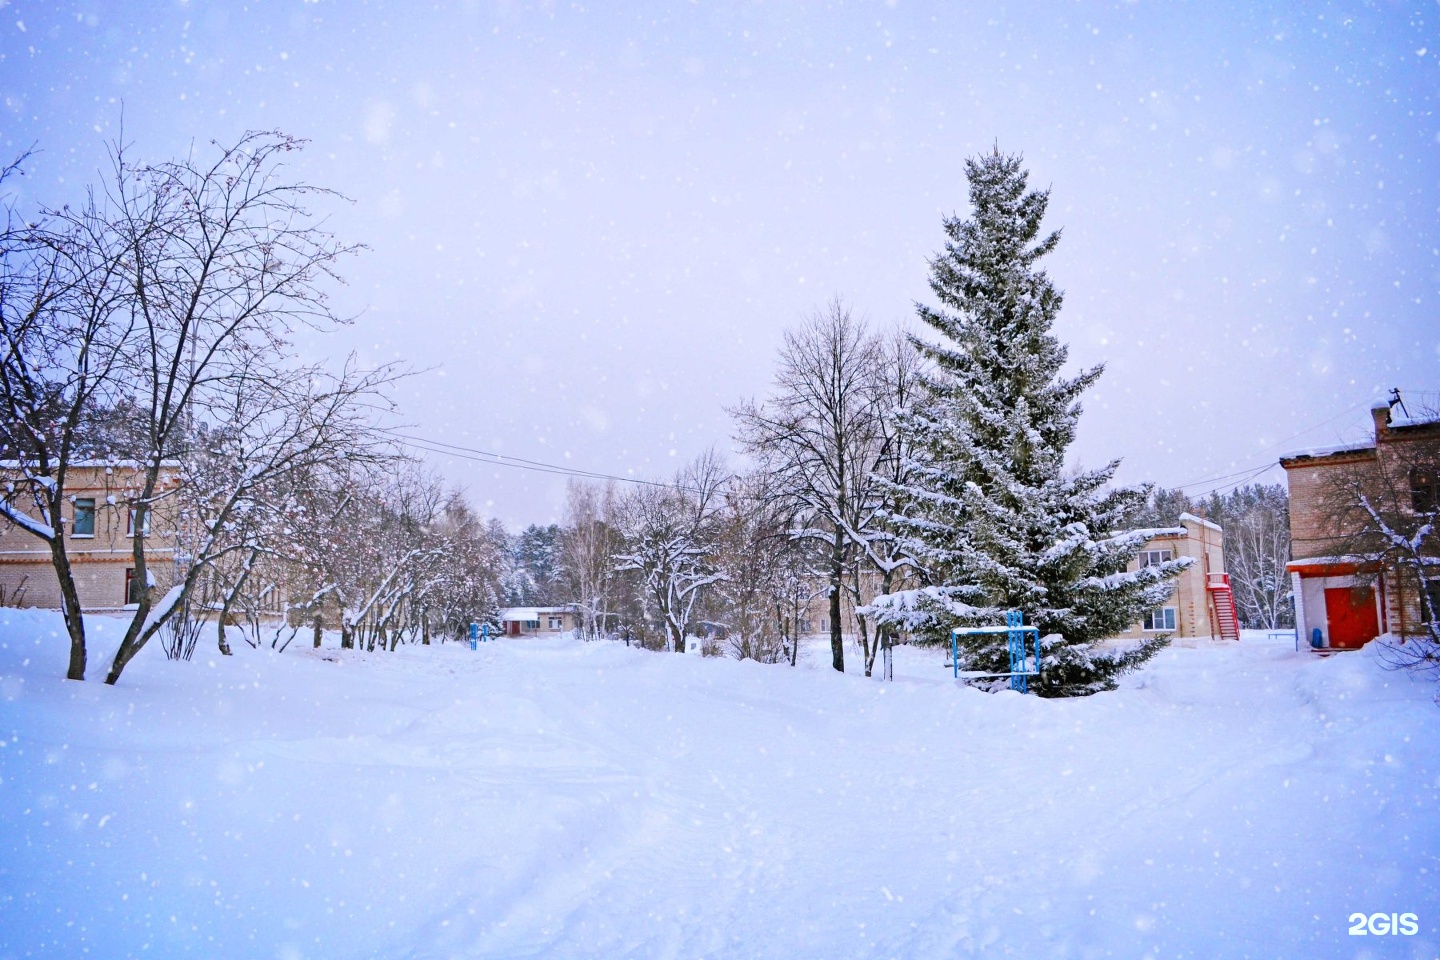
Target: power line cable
{"points": [[491, 458], [1344, 413], [1245, 479], [443, 448]]}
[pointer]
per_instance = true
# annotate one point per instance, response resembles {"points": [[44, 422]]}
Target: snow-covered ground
{"points": [[552, 798]]}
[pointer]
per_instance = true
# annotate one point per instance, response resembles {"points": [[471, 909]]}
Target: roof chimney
{"points": [[1380, 411]]}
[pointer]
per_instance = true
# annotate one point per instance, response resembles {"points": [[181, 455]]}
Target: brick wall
{"points": [[99, 562]]}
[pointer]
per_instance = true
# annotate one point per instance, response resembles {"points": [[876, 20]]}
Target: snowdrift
{"points": [[552, 798]]}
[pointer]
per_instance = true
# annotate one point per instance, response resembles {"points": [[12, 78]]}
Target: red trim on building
{"points": [[1331, 568]]}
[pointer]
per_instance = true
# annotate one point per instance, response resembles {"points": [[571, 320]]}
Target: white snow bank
{"points": [[553, 798]]}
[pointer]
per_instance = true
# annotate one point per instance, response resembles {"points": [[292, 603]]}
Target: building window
{"points": [[132, 586], [1432, 590], [145, 527], [556, 623], [1161, 618], [84, 525], [1424, 494], [1153, 558], [532, 624]]}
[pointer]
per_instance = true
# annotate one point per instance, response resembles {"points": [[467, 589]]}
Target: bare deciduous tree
{"points": [[588, 541], [756, 551], [252, 448], [669, 541], [884, 560], [224, 261], [820, 435], [1257, 546], [64, 316]]}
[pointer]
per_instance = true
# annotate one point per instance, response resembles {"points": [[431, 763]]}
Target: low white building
{"points": [[530, 621]]}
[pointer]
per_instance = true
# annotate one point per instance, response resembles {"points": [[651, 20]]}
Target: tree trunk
{"points": [[318, 631], [886, 582], [783, 627], [128, 648], [795, 646], [134, 634], [229, 602], [69, 605], [837, 575], [225, 615], [866, 649]]}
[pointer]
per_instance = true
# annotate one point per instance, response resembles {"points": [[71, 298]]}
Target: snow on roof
{"points": [[1327, 451], [1346, 559], [1397, 422], [1339, 559], [1150, 533], [530, 613], [117, 464], [1200, 520]]}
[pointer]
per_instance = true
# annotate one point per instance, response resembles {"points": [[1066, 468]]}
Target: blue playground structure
{"points": [[1021, 657]]}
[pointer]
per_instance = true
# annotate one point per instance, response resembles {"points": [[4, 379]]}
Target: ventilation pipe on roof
{"points": [[1380, 412]]}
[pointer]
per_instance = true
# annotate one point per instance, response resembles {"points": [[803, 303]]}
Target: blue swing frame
{"points": [[1020, 657]]}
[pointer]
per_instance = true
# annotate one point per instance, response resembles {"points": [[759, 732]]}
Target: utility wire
{"points": [[490, 458], [1245, 479], [1254, 471], [502, 460]]}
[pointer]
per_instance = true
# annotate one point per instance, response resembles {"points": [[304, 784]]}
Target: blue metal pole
{"points": [[1015, 641]]}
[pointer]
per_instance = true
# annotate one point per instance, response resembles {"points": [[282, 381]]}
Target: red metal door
{"points": [[1350, 612]]}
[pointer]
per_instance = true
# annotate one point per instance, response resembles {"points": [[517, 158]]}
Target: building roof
{"points": [[89, 464], [1334, 564], [1320, 453], [531, 613], [1388, 427], [1200, 520], [1150, 533], [1154, 533]]}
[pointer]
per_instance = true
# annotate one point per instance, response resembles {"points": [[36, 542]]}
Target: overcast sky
{"points": [[589, 227]]}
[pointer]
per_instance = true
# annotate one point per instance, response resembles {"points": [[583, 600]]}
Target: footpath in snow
{"points": [[552, 798]]}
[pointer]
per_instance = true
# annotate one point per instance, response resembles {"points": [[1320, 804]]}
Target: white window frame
{"points": [[75, 515], [1156, 556], [1165, 613], [130, 523], [555, 623]]}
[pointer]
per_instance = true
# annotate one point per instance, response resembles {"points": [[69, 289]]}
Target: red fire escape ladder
{"points": [[1222, 606]]}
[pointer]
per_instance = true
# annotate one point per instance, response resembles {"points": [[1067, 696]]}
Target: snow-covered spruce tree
{"points": [[992, 513]]}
